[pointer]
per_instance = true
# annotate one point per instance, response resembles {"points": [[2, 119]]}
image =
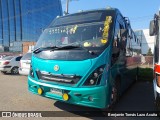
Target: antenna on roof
{"points": [[67, 6]]}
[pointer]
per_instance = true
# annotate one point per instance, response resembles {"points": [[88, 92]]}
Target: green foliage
{"points": [[145, 74], [149, 53]]}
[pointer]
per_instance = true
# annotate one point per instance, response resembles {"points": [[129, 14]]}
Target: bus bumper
{"points": [[90, 96]]}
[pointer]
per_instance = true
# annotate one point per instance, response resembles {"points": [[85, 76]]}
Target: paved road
{"points": [[14, 96]]}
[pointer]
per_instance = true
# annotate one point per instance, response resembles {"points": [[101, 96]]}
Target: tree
{"points": [[149, 53]]}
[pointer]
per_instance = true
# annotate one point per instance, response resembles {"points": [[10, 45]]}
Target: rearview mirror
{"points": [[123, 36], [152, 28]]}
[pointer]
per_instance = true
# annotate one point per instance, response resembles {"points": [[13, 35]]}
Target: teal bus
{"points": [[87, 58]]}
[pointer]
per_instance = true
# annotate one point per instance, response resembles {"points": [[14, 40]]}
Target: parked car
{"points": [[25, 64], [2, 56], [10, 64]]}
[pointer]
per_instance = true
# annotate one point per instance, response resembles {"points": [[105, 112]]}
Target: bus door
{"points": [[118, 61]]}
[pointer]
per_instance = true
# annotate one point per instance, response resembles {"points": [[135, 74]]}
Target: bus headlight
{"points": [[91, 81], [95, 77]]}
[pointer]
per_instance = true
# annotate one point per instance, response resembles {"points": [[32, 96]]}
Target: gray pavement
{"points": [[14, 96]]}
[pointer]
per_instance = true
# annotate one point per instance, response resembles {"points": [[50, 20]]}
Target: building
{"points": [[27, 47], [24, 20], [146, 40]]}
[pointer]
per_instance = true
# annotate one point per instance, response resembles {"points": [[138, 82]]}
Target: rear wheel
{"points": [[14, 70]]}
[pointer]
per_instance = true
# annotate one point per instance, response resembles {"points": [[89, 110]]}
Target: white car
{"points": [[25, 64], [2, 56], [10, 64]]}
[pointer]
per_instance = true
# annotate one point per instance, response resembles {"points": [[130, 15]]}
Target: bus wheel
{"points": [[116, 91], [106, 110]]}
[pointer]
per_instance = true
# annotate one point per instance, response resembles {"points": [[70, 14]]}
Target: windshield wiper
{"points": [[73, 47], [40, 49]]}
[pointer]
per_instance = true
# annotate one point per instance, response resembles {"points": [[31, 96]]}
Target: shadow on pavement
{"points": [[138, 98]]}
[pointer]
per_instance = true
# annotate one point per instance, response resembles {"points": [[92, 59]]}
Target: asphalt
{"points": [[14, 96]]}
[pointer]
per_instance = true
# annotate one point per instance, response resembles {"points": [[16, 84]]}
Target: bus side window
{"points": [[156, 52], [116, 46]]}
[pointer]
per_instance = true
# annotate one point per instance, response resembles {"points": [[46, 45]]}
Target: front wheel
{"points": [[115, 96], [116, 91], [14, 70]]}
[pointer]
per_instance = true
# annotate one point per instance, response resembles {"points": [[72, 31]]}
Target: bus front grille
{"points": [[60, 78]]}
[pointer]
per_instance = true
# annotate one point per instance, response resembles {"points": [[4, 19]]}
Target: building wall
{"points": [[27, 46], [146, 40], [23, 20]]}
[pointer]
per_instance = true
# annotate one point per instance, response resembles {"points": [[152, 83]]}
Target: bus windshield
{"points": [[86, 35], [90, 32]]}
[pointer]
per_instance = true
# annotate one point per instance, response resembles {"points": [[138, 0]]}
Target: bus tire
{"points": [[115, 96], [116, 90]]}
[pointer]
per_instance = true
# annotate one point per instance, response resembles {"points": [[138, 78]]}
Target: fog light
{"points": [[65, 96], [40, 91], [90, 98]]}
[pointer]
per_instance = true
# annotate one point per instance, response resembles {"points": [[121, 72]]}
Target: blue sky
{"points": [[140, 12]]}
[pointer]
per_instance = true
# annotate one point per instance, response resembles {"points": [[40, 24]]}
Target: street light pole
{"points": [[67, 6]]}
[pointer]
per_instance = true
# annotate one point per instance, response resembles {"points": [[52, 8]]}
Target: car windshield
{"points": [[27, 56], [8, 58]]}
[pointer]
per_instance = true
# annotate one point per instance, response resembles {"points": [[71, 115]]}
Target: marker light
{"points": [[65, 96], [90, 98], [40, 91]]}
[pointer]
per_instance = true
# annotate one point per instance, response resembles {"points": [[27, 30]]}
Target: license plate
{"points": [[56, 91], [27, 63]]}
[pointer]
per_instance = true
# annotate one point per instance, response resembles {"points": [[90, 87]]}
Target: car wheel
{"points": [[4, 72], [14, 70]]}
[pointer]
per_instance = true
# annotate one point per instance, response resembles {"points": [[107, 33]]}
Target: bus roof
{"points": [[84, 16]]}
